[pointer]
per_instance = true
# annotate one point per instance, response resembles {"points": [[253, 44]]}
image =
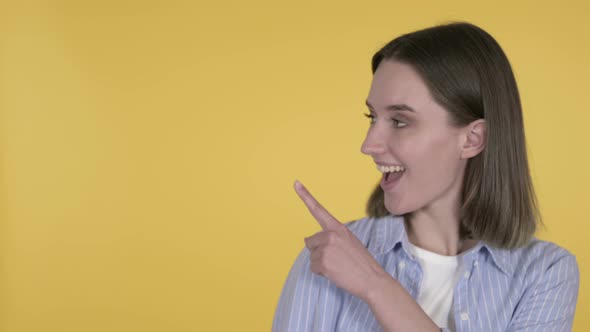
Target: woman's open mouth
{"points": [[391, 176]]}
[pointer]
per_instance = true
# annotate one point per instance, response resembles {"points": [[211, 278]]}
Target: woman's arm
{"points": [[297, 310], [338, 255], [387, 296], [295, 305]]}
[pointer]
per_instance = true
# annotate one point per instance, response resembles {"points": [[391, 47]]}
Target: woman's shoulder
{"points": [[537, 258], [543, 251]]}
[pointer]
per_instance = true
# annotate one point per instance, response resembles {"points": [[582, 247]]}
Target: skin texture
{"points": [[434, 155]]}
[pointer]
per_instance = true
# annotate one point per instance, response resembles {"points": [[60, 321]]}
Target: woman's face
{"points": [[415, 134]]}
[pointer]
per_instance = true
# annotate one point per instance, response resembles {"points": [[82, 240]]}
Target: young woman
{"points": [[449, 242]]}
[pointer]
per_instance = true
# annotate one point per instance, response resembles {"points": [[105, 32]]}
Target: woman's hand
{"points": [[337, 254]]}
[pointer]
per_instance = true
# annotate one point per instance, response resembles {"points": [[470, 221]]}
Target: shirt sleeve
{"points": [[550, 304], [296, 306]]}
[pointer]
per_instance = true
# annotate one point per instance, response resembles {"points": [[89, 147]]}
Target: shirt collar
{"points": [[389, 232], [501, 257]]}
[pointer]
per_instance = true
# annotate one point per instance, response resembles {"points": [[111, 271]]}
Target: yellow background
{"points": [[148, 148]]}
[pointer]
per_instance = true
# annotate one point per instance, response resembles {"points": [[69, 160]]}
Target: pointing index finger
{"points": [[323, 217]]}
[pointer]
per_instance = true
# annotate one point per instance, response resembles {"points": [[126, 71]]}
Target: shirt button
{"points": [[466, 275], [464, 316], [402, 265]]}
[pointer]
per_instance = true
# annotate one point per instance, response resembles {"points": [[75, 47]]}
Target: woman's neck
{"points": [[439, 234]]}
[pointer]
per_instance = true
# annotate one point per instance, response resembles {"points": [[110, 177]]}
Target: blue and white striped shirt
{"points": [[534, 288]]}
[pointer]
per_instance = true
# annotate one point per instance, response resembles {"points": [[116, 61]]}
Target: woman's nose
{"points": [[373, 144]]}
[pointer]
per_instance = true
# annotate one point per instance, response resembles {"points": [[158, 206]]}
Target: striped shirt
{"points": [[533, 288]]}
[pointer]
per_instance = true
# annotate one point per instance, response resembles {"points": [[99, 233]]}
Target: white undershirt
{"points": [[441, 274]]}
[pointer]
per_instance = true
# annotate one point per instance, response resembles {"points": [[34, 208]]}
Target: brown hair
{"points": [[469, 75]]}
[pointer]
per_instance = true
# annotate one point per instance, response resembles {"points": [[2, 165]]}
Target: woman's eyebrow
{"points": [[394, 107]]}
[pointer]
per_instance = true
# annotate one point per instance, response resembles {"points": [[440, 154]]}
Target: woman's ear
{"points": [[474, 139]]}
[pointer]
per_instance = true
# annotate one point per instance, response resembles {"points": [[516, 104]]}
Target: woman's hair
{"points": [[469, 75]]}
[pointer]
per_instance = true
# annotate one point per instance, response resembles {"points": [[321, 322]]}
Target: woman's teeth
{"points": [[389, 169]]}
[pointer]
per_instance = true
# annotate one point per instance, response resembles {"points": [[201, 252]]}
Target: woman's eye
{"points": [[398, 124], [370, 116]]}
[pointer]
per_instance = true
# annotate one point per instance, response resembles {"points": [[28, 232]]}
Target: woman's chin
{"points": [[395, 207]]}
